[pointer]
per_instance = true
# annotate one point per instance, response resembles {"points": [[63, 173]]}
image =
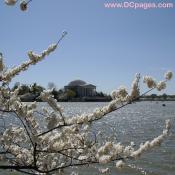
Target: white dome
{"points": [[77, 83]]}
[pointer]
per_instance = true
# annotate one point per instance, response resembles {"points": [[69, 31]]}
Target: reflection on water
{"points": [[137, 122]]}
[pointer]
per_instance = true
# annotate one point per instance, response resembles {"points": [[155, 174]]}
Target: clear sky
{"points": [[105, 47]]}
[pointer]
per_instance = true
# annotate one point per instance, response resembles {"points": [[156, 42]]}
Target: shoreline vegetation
{"points": [[31, 93]]}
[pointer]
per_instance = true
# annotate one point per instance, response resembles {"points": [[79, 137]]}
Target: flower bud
{"points": [[1, 63], [23, 5], [10, 2], [168, 75]]}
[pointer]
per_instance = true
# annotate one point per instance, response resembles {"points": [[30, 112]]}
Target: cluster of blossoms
{"points": [[23, 3], [11, 139], [161, 85], [122, 95], [168, 75], [135, 91], [151, 83]]}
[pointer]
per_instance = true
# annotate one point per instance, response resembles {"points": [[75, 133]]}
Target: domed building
{"points": [[81, 88]]}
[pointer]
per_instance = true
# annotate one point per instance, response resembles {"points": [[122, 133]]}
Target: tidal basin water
{"points": [[136, 122]]}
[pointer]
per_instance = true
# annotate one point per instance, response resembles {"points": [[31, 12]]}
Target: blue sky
{"points": [[105, 47]]}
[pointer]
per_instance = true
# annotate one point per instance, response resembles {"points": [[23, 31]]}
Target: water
{"points": [[137, 122]]}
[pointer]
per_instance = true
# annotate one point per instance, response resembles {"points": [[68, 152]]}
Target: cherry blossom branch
{"points": [[34, 58], [67, 142]]}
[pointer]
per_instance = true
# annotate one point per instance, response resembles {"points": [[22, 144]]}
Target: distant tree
{"points": [[70, 94], [51, 85], [36, 89], [60, 91], [55, 93], [24, 89], [16, 85], [164, 96], [61, 95], [101, 94], [153, 95]]}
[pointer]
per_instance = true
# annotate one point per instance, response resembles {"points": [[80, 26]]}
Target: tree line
{"points": [[32, 93]]}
